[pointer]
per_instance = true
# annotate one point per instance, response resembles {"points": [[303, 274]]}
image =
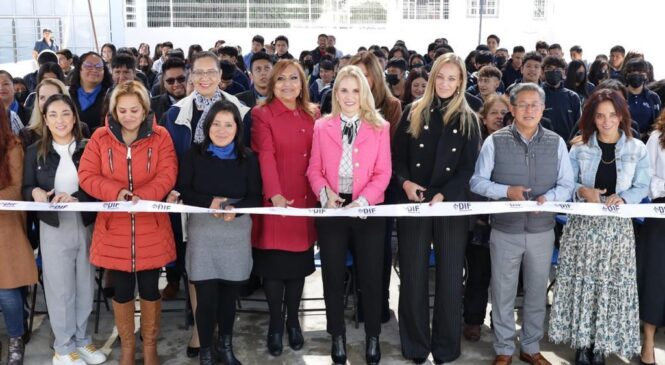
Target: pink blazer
{"points": [[372, 167]]}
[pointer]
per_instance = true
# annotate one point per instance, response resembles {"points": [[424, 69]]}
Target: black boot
{"points": [[583, 357], [372, 350], [275, 346], [598, 359], [16, 351], [338, 350], [225, 350], [296, 339], [205, 356]]}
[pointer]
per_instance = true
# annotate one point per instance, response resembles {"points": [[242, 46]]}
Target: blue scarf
{"points": [[87, 99], [227, 152]]}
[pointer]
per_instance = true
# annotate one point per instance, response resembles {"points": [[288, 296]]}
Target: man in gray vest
{"points": [[523, 161]]}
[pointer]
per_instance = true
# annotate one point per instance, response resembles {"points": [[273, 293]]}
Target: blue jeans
{"points": [[11, 302]]}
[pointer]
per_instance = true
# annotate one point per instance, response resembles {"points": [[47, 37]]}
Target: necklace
{"points": [[608, 162]]}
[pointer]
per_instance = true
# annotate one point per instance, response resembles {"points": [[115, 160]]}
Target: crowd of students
{"points": [[224, 130]]}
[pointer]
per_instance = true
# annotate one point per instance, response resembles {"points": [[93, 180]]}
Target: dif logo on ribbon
{"points": [[462, 207], [659, 209], [8, 204], [111, 206]]}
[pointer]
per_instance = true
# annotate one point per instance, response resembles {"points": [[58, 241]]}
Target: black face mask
{"points": [[602, 75], [392, 79], [417, 65], [579, 76], [500, 61], [553, 77], [145, 69], [21, 96], [635, 80]]}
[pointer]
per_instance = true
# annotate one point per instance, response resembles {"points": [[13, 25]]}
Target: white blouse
{"points": [[66, 176]]}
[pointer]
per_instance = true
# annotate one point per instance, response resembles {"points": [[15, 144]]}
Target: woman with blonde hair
{"points": [[45, 89], [350, 167], [434, 155], [282, 127], [391, 110], [128, 159]]}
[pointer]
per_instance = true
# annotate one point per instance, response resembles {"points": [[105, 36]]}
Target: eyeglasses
{"points": [[209, 73], [528, 106], [92, 66], [173, 80]]}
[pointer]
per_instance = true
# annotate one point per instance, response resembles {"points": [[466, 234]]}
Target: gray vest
{"points": [[533, 166]]}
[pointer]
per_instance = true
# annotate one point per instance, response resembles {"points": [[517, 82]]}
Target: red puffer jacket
{"points": [[148, 168]]}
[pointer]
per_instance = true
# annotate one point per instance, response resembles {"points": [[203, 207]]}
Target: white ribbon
{"points": [[394, 210]]}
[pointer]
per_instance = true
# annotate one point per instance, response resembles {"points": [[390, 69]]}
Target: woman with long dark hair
{"points": [[577, 81], [282, 128], [50, 175], [220, 173], [434, 155], [599, 71], [416, 83], [595, 304]]}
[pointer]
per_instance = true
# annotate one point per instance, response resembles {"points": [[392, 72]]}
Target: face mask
{"points": [[500, 61], [21, 96], [553, 77], [392, 79], [635, 80], [416, 65], [145, 69], [602, 75], [579, 77]]}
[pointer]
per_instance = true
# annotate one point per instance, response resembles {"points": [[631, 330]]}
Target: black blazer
{"points": [[247, 97], [41, 174], [160, 104], [441, 159]]}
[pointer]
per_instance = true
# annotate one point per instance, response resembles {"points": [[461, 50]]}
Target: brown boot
{"points": [[150, 315], [124, 321]]}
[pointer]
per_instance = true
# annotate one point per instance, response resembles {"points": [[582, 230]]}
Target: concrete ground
{"points": [[250, 333]]}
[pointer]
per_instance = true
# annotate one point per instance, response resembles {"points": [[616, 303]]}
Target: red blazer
{"points": [[372, 166], [104, 171], [282, 138]]}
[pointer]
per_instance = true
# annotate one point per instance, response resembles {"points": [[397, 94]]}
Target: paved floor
{"points": [[250, 334]]}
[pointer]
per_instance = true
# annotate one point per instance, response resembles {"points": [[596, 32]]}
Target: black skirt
{"points": [[283, 265], [651, 270]]}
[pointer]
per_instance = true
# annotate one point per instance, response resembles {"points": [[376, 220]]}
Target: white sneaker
{"points": [[91, 355], [72, 358]]}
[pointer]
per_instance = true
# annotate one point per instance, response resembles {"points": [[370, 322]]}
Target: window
{"points": [[130, 13], [489, 7], [539, 9], [425, 9]]}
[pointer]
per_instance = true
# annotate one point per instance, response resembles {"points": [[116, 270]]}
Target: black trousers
{"points": [[449, 237], [335, 236], [216, 307], [125, 285], [477, 283]]}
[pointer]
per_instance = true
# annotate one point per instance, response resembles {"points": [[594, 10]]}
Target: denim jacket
{"points": [[632, 163]]}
